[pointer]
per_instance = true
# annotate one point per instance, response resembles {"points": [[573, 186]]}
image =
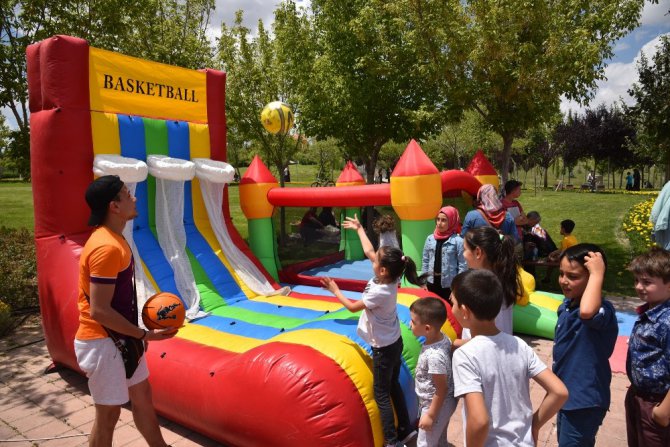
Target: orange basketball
{"points": [[162, 311]]}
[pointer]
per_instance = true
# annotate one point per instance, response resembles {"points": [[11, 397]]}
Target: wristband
{"points": [[144, 335]]}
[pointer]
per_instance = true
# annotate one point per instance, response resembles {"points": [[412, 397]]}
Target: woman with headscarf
{"points": [[489, 211], [443, 253]]}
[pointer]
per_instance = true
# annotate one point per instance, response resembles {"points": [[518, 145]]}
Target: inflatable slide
{"points": [[256, 364]]}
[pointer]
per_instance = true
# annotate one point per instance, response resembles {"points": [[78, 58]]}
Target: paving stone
{"points": [[52, 428]]}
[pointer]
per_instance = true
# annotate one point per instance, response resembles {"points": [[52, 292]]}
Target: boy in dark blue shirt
{"points": [[648, 361], [585, 336]]}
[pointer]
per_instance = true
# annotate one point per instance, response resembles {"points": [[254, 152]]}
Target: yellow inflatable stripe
{"points": [[545, 301], [406, 300], [352, 359], [105, 129], [287, 301], [147, 273], [211, 337], [201, 220], [199, 140]]}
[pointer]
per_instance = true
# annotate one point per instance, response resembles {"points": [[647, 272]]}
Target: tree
{"points": [[652, 111], [169, 31], [254, 77], [511, 61], [359, 81], [458, 141]]}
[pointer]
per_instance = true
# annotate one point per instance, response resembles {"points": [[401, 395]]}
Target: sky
{"points": [[620, 72]]}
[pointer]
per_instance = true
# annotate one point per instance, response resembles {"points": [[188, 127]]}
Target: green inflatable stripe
{"points": [[156, 142], [534, 320], [261, 319], [209, 297]]}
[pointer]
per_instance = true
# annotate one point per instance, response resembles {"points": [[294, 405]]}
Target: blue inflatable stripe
{"points": [[219, 276], [133, 145], [310, 290]]}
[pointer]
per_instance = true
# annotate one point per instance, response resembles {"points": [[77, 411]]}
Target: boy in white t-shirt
{"points": [[493, 369], [434, 383]]}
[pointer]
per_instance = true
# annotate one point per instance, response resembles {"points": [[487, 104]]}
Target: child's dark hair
{"points": [[654, 263], [578, 253], [384, 223], [430, 310], [397, 264], [479, 290], [568, 225], [499, 250]]}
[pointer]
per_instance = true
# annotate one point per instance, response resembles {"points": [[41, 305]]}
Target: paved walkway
{"points": [[38, 402]]}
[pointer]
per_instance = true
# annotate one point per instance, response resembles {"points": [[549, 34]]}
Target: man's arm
{"points": [[103, 312], [477, 416]]}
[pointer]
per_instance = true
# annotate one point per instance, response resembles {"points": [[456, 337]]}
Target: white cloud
{"points": [[655, 14], [619, 78]]}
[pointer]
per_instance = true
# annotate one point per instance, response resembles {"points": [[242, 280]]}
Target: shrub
{"points": [[637, 227], [5, 318], [18, 269]]}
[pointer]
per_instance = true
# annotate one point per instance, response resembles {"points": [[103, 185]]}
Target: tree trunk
{"points": [[546, 177], [508, 139]]}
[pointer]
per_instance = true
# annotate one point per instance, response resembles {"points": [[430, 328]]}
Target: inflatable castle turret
{"points": [[254, 187], [416, 195], [483, 170]]}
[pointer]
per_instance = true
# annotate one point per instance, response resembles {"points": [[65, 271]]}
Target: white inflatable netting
{"points": [[129, 170], [170, 174], [212, 174]]}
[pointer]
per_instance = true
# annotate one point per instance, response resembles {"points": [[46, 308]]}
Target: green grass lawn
{"points": [[598, 220], [16, 205]]}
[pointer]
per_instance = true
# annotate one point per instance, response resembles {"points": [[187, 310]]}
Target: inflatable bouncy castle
{"points": [[256, 364]]}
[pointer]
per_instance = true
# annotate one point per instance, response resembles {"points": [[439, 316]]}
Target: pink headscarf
{"points": [[490, 205], [454, 223]]}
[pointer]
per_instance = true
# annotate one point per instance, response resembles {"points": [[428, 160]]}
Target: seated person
{"points": [[511, 192], [310, 226], [327, 217], [536, 237], [567, 227]]}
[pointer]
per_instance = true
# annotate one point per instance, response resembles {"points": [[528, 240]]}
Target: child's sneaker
{"points": [[406, 435]]}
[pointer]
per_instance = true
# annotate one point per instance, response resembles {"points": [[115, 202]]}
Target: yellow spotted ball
{"points": [[277, 117]]}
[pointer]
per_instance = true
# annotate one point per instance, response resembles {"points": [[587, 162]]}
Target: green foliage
{"points": [[511, 61], [652, 93], [18, 271], [169, 31], [5, 318], [358, 82]]}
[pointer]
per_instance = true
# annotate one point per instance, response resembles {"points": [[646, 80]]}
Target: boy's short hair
{"points": [[430, 310], [480, 290], [655, 263], [534, 215], [578, 253], [568, 225]]}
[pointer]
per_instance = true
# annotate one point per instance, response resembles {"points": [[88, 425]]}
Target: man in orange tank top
{"points": [[108, 306]]}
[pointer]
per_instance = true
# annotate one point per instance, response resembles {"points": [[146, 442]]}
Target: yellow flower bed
{"points": [[637, 227]]}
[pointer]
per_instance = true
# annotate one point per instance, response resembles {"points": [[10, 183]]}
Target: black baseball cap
{"points": [[510, 185], [98, 196]]}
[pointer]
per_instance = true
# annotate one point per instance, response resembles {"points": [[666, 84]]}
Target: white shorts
{"points": [[101, 360]]}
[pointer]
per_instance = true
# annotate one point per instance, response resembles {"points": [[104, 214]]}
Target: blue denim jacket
{"points": [[453, 261]]}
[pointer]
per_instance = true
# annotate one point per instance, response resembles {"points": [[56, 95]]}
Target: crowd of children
{"points": [[490, 369]]}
